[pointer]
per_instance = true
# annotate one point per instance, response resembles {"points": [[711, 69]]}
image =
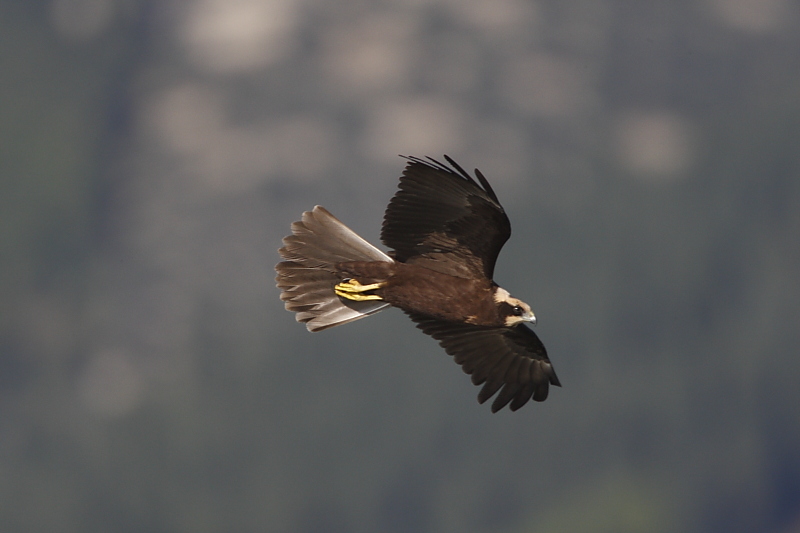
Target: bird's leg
{"points": [[353, 290]]}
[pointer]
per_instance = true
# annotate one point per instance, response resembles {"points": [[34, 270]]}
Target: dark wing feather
{"points": [[510, 360], [443, 219]]}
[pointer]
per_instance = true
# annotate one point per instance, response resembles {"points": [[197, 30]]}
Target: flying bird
{"points": [[445, 230]]}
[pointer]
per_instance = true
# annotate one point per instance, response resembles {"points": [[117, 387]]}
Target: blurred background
{"points": [[154, 152]]}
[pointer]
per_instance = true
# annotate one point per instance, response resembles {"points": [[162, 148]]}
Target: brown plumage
{"points": [[446, 231]]}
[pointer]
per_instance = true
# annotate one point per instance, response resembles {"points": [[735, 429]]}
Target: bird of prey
{"points": [[446, 231]]}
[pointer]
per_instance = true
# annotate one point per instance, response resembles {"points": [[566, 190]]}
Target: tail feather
{"points": [[308, 274]]}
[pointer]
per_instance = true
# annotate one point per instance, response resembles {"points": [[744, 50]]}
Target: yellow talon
{"points": [[352, 290]]}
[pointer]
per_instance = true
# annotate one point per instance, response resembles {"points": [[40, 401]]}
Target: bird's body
{"points": [[446, 232], [417, 289]]}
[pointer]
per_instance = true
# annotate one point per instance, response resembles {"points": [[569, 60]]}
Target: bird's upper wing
{"points": [[510, 360], [441, 218]]}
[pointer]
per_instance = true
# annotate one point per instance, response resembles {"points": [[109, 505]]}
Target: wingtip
{"points": [[551, 374]]}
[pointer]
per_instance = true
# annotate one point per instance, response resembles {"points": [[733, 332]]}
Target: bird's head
{"points": [[513, 310]]}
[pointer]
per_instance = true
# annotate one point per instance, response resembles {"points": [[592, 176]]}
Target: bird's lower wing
{"points": [[512, 361]]}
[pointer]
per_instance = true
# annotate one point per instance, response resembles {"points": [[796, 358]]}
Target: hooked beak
{"points": [[530, 317]]}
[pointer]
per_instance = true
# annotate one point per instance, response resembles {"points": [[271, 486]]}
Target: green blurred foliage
{"points": [[669, 308]]}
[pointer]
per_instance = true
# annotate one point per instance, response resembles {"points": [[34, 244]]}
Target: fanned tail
{"points": [[307, 276]]}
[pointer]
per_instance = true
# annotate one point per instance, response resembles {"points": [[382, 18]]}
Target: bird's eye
{"points": [[517, 310]]}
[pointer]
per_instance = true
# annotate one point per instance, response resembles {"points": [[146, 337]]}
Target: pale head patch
{"points": [[502, 296]]}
